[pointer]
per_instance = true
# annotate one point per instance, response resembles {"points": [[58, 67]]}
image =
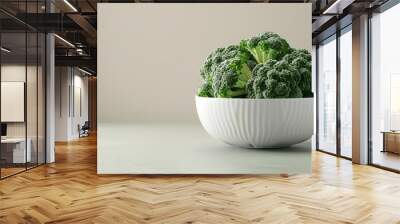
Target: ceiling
{"points": [[76, 21]]}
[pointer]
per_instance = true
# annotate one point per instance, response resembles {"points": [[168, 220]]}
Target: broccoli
{"points": [[264, 66], [217, 57], [212, 60], [274, 79], [230, 78], [205, 90], [266, 46], [300, 59]]}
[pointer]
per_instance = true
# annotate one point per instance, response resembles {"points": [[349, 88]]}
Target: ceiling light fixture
{"points": [[5, 50], [64, 40], [331, 7], [84, 71], [338, 6], [80, 51], [70, 5]]}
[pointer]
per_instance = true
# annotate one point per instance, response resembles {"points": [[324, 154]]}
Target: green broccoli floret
{"points": [[230, 78], [205, 90], [212, 60], [266, 46], [220, 55], [300, 59], [274, 79]]}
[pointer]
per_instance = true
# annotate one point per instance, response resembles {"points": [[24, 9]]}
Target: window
{"points": [[385, 89], [346, 92], [333, 137], [327, 95]]}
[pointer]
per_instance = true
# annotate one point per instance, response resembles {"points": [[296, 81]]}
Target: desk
{"points": [[391, 141], [15, 148]]}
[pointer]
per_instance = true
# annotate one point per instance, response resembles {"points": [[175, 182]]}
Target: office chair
{"points": [[84, 130]]}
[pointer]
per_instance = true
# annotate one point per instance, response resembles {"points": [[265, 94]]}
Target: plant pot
{"points": [[257, 123]]}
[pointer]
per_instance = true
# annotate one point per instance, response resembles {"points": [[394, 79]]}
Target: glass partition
{"points": [[13, 95], [327, 95], [22, 101]]}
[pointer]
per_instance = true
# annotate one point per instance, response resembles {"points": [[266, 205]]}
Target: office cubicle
{"points": [[22, 92]]}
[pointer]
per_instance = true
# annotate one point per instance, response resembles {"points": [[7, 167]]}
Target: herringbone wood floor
{"points": [[69, 191]]}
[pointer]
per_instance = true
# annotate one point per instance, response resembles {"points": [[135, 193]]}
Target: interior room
{"points": [[84, 139], [22, 103]]}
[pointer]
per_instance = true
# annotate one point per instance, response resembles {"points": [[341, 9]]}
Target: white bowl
{"points": [[257, 123]]}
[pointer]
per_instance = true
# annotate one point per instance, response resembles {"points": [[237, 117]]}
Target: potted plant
{"points": [[257, 94]]}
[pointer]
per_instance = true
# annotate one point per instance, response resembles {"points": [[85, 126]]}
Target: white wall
{"points": [[62, 80], [148, 75], [69, 81], [80, 115]]}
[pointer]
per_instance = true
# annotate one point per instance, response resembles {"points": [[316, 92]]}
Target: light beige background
{"points": [[149, 57]]}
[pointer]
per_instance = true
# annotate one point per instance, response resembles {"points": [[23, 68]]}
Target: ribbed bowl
{"points": [[257, 123]]}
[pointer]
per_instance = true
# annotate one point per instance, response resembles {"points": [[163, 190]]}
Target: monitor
{"points": [[3, 129]]}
